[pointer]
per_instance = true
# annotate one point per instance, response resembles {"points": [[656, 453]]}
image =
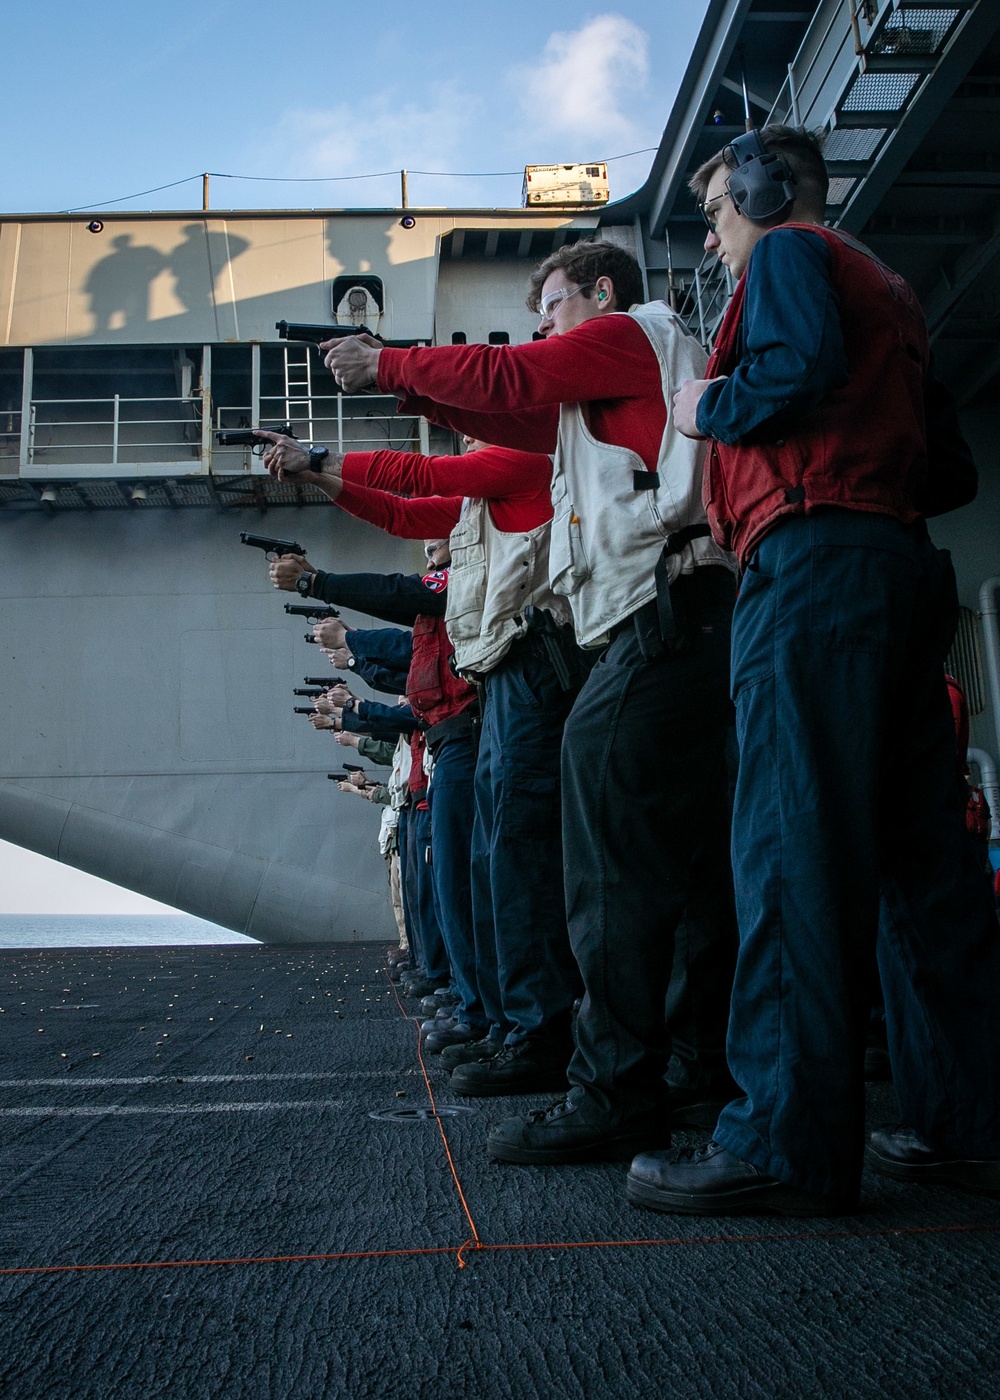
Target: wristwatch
{"points": [[317, 456], [303, 585]]}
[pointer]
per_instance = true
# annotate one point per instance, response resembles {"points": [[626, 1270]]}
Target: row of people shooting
{"points": [[619, 484]]}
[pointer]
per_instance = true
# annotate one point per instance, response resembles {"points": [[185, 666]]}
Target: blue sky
{"points": [[113, 98]]}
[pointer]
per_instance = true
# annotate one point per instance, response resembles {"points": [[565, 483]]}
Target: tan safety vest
{"points": [[494, 576], [608, 531]]}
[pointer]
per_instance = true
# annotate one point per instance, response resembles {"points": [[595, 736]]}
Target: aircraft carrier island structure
{"points": [[148, 664]]}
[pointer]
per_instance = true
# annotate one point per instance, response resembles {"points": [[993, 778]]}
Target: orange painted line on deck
{"points": [[476, 1244], [456, 1250]]}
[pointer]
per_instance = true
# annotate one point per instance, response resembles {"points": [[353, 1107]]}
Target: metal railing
{"points": [[10, 439], [342, 422], [859, 68], [702, 303], [119, 433]]}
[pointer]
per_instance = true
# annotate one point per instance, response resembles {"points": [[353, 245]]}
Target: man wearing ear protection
{"points": [[830, 441], [645, 817]]}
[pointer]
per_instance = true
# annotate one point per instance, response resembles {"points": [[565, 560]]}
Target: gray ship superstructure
{"points": [[146, 685]]}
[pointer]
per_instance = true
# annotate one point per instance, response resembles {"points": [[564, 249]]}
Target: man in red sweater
{"points": [[496, 505], [643, 776]]}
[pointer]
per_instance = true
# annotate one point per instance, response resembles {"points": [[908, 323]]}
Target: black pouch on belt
{"points": [[558, 645], [673, 635]]}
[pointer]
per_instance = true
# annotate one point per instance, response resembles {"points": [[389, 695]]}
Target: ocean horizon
{"points": [[111, 931]]}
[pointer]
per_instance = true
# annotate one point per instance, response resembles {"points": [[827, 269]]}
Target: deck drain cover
{"points": [[419, 1115]]}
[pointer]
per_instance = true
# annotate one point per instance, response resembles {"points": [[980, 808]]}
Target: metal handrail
{"points": [[340, 421], [120, 429], [704, 303]]}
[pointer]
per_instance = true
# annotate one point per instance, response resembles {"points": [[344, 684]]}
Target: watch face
{"points": [[302, 585]]}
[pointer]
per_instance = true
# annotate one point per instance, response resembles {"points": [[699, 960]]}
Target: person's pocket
{"points": [[859, 596]]}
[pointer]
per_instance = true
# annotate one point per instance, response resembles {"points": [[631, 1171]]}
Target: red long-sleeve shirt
{"points": [[510, 394], [515, 485], [433, 518]]}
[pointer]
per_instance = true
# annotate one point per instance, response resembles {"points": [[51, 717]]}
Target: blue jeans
{"points": [[408, 889], [433, 959], [451, 801], [518, 899], [848, 788]]}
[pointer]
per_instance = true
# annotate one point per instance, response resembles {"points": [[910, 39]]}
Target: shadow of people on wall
{"points": [[118, 285], [198, 261]]}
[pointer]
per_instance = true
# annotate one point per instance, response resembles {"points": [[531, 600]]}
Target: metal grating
{"points": [[853, 143], [880, 92], [914, 30], [161, 493], [193, 493], [106, 495], [965, 660], [839, 190], [70, 498]]}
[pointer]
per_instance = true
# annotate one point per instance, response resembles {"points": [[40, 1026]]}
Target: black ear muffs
{"points": [[761, 185]]}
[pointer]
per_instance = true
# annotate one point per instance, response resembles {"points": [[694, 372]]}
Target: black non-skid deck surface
{"points": [[197, 1202]]}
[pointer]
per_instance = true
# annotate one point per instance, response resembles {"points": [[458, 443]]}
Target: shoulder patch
{"points": [[437, 582]]}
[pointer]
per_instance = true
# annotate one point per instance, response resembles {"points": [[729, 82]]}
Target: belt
{"points": [[467, 722], [687, 590]]}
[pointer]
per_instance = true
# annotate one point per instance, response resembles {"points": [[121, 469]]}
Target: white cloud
{"points": [[584, 80], [585, 99]]}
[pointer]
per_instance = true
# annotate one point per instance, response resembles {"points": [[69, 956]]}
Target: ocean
{"points": [[110, 931]]}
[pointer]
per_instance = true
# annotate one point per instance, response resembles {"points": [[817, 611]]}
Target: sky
{"points": [[103, 101], [33, 884], [113, 98]]}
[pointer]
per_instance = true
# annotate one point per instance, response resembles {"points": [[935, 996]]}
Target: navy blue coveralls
{"points": [[402, 598], [847, 791]]}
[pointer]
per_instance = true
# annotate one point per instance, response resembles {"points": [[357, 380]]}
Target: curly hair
{"points": [[583, 263]]}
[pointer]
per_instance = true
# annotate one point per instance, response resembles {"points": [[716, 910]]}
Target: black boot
{"points": [[575, 1132], [530, 1067]]}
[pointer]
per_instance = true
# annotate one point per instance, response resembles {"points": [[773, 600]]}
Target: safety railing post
{"points": [[26, 447], [701, 310]]}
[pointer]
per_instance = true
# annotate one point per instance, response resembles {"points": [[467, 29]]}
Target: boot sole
{"points": [[616, 1149], [982, 1178], [439, 1049], [541, 1084], [772, 1199], [449, 1063]]}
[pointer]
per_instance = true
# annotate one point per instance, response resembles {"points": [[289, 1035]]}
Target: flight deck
{"points": [[228, 1173]]}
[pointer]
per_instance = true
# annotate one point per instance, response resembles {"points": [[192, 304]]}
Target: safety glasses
{"points": [[709, 208], [549, 303]]}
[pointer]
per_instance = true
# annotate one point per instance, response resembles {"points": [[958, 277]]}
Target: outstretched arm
{"points": [[494, 472], [432, 517]]}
